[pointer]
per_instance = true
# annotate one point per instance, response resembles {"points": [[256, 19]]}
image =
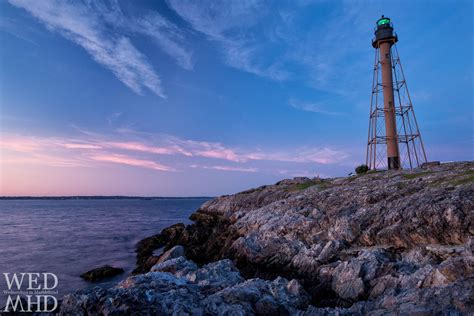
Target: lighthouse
{"points": [[392, 108]]}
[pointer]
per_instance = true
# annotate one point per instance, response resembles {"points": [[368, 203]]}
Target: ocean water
{"points": [[70, 237]]}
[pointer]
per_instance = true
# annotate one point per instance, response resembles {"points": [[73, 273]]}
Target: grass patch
{"points": [[253, 190], [469, 173], [352, 178], [439, 182], [411, 176], [302, 186], [325, 185], [357, 176], [375, 171], [465, 178], [469, 179]]}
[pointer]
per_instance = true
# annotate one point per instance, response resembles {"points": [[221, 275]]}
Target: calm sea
{"points": [[70, 237]]}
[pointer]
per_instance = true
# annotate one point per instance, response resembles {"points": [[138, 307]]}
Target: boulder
{"points": [[178, 266], [175, 252], [215, 276], [347, 280], [101, 273], [215, 289]]}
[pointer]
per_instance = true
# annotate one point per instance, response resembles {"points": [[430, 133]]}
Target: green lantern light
{"points": [[383, 21]]}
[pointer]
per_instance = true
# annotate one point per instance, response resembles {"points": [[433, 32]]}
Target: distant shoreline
{"points": [[101, 197]]}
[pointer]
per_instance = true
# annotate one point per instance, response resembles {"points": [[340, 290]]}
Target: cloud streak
{"points": [[229, 23], [214, 150], [250, 37], [60, 152], [275, 42], [125, 160], [167, 36], [88, 149], [151, 24], [316, 107], [226, 168], [103, 31]]}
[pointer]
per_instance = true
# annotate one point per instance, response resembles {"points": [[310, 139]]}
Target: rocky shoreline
{"points": [[397, 242]]}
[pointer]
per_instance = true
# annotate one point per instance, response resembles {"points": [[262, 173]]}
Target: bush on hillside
{"points": [[361, 169]]}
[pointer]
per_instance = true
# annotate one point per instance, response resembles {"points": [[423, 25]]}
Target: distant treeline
{"points": [[99, 197]]}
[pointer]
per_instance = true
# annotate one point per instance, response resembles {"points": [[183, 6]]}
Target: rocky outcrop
{"points": [[382, 242], [101, 273], [178, 287], [147, 247]]}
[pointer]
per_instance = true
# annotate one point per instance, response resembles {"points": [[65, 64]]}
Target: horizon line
{"points": [[91, 197]]}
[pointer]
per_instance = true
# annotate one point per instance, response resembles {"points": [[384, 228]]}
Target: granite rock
{"points": [[214, 289], [386, 242], [101, 273]]}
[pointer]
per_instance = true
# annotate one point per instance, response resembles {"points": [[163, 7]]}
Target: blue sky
{"points": [[212, 97]]}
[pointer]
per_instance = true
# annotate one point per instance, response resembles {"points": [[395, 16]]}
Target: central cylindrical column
{"points": [[393, 155]]}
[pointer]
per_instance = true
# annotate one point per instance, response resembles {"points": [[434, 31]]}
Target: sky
{"points": [[188, 98]]}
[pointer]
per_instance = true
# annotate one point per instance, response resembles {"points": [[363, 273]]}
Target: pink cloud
{"points": [[229, 168], [41, 159], [64, 153], [215, 150], [120, 159], [89, 148], [220, 153], [19, 144], [300, 155], [133, 146], [226, 168], [81, 146]]}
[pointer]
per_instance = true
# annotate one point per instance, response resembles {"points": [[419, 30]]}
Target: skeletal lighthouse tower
{"points": [[391, 107]]}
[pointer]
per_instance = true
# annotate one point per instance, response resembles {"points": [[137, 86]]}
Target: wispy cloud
{"points": [[152, 152], [166, 35], [61, 152], [79, 24], [272, 42], [319, 155], [328, 64], [81, 146], [316, 107], [141, 147], [22, 150], [241, 55], [215, 150], [230, 168], [102, 31], [11, 26], [226, 168], [121, 159], [229, 24], [113, 117], [151, 24], [249, 35]]}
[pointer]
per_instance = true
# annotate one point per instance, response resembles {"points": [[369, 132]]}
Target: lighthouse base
{"points": [[393, 163]]}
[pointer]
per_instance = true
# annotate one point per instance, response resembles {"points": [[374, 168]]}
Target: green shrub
{"points": [[361, 169]]}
